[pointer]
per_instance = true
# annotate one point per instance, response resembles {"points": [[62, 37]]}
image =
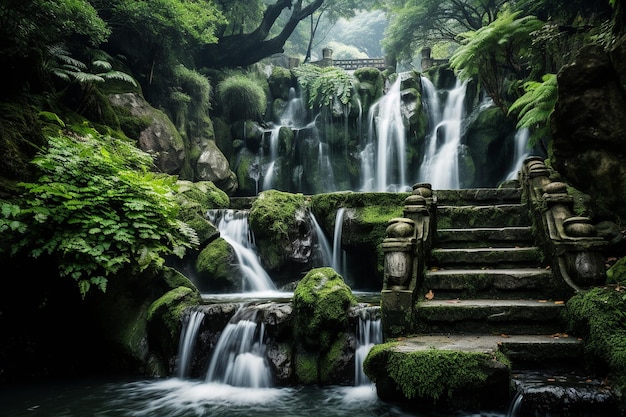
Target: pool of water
{"points": [[177, 397]]}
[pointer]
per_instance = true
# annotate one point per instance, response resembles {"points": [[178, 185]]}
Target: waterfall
{"points": [[515, 406], [239, 355], [368, 334], [520, 153], [337, 258], [440, 165], [234, 229], [326, 167], [187, 342], [269, 172], [327, 254], [294, 114], [385, 155]]}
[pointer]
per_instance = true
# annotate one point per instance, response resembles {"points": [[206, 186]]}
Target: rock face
{"points": [[588, 125], [172, 156]]}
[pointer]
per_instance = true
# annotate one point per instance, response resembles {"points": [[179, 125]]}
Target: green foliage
{"points": [[323, 85], [494, 51], [241, 97], [96, 209], [535, 106], [599, 317]]}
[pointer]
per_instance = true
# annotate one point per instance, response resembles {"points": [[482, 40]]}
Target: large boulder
{"points": [[321, 305], [588, 127], [160, 138], [213, 166]]}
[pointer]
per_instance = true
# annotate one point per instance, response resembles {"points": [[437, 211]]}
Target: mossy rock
{"points": [[274, 219], [321, 303], [306, 368], [617, 273], [165, 317], [458, 379], [280, 81], [215, 267]]}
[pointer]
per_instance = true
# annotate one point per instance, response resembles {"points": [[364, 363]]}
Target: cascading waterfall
{"points": [[326, 251], [233, 227], [521, 152], [187, 342], [337, 263], [368, 334], [239, 355], [385, 155], [440, 166], [268, 177]]}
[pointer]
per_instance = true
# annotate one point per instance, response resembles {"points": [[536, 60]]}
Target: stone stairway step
{"points": [[473, 216], [479, 258], [478, 196], [485, 237], [490, 316], [497, 283], [548, 350]]}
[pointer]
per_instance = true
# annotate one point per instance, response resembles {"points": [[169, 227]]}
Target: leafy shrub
{"points": [[323, 85], [97, 209], [241, 98]]}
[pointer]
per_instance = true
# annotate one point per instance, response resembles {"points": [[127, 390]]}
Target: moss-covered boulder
{"points": [[194, 199], [324, 351], [280, 81], [280, 225], [216, 268], [321, 302], [617, 273], [164, 320], [451, 379]]}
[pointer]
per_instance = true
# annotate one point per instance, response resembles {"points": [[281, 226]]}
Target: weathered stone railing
{"points": [[569, 242], [406, 248]]}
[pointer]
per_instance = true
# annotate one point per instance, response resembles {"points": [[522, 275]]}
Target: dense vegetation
{"points": [[75, 190]]}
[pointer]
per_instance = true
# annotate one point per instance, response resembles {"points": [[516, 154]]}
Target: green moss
{"points": [[432, 373], [599, 317], [617, 273], [169, 308], [241, 97], [215, 264], [330, 360], [274, 219], [306, 368], [321, 302]]}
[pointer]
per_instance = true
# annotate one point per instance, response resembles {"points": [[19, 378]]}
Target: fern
{"points": [[535, 107], [323, 85], [97, 209]]}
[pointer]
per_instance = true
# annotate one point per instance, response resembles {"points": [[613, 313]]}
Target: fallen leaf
{"points": [[429, 295], [506, 336], [559, 302], [551, 380], [542, 301], [434, 269]]}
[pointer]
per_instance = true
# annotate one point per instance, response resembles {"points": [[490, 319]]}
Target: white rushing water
{"points": [[521, 152], [440, 166], [187, 342], [234, 229], [368, 333], [322, 241], [338, 258], [383, 160]]}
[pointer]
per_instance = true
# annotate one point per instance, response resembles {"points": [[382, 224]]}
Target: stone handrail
{"points": [[569, 242], [406, 248]]}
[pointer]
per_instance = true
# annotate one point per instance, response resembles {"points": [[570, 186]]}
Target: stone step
{"points": [[485, 237], [478, 196], [542, 350], [479, 258], [474, 216], [494, 283], [490, 316]]}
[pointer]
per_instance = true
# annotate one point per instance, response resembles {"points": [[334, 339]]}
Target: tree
{"points": [[420, 23]]}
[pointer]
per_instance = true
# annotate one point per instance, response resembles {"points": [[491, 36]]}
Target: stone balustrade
{"points": [[569, 241]]}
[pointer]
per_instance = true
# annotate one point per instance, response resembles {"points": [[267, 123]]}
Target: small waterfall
{"points": [[521, 152], [239, 355], [440, 166], [268, 177], [430, 99], [369, 333], [515, 406], [233, 227], [326, 167], [386, 144], [337, 258], [295, 112], [187, 342], [327, 253]]}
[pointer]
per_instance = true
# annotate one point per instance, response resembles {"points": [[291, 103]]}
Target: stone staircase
{"points": [[487, 286]]}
